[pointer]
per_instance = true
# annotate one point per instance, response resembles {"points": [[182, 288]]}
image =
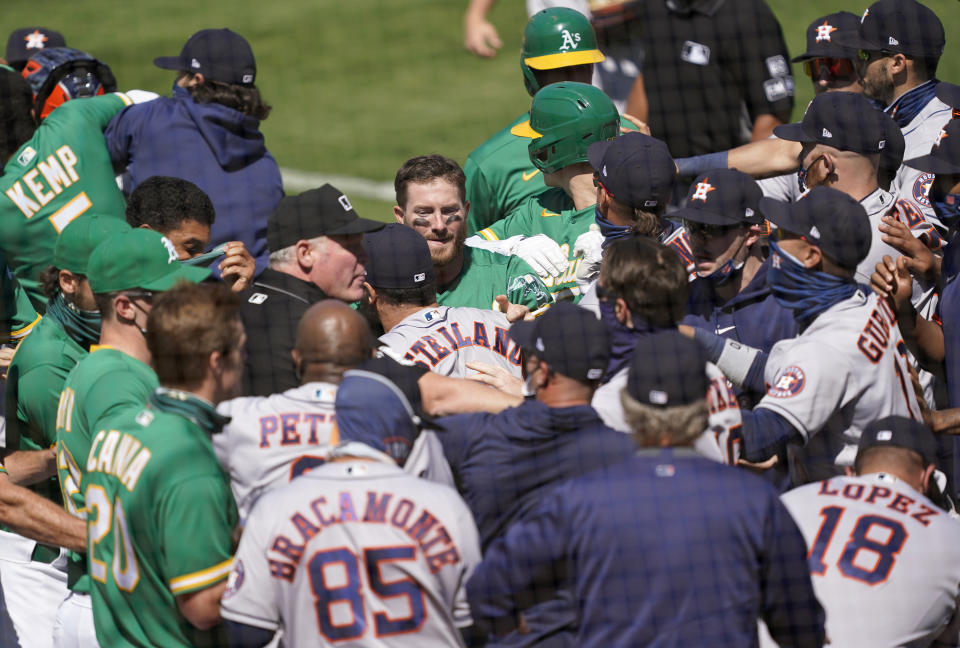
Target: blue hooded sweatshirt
{"points": [[217, 148]]}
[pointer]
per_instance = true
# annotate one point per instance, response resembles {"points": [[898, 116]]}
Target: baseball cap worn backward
{"points": [[138, 258], [825, 37], [636, 168], [722, 197], [559, 37], [944, 156], [218, 54], [391, 427], [844, 120], [899, 26], [667, 370], [398, 257], [900, 432], [325, 211], [827, 218], [25, 41], [568, 338], [80, 238]]}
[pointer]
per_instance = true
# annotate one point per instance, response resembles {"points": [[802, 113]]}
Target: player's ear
{"points": [[753, 235], [304, 254], [68, 282], [398, 213], [370, 293], [215, 363], [622, 312], [925, 477], [466, 209]]}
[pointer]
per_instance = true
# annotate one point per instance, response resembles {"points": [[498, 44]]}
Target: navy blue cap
{"points": [[374, 411], [944, 157], [891, 157], [901, 432], [824, 36], [636, 169], [667, 370], [319, 212], [568, 338], [26, 41], [827, 218], [899, 26], [399, 258], [844, 120], [722, 197], [949, 94], [218, 54]]}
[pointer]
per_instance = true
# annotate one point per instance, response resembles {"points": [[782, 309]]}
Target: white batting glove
{"points": [[140, 96], [589, 245], [542, 254]]}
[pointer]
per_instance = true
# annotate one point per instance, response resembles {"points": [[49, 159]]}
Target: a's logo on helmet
{"points": [[703, 188], [36, 39], [570, 41], [824, 30], [172, 255]]}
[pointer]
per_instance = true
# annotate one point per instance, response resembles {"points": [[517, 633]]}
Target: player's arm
{"points": [[27, 467], [760, 159], [100, 110], [743, 365], [202, 608], [443, 396], [791, 611], [479, 34], [764, 71], [39, 519], [241, 635]]}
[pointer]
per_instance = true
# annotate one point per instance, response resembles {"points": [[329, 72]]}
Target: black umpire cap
{"points": [[319, 212], [568, 338]]}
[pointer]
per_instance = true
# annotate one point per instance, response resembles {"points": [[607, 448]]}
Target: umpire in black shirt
{"points": [[315, 247]]}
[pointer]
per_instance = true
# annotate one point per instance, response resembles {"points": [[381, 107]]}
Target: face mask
{"points": [[802, 175], [528, 390], [806, 292], [81, 325], [610, 231]]}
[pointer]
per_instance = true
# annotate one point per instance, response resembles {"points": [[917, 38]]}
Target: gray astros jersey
{"points": [[356, 553], [884, 560], [846, 369], [272, 439], [444, 339], [715, 443]]}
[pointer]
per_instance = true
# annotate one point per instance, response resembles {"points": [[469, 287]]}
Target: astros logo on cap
{"points": [[703, 188], [36, 39], [823, 31]]}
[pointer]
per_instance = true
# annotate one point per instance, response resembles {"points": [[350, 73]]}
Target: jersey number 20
{"points": [[860, 540], [346, 592]]}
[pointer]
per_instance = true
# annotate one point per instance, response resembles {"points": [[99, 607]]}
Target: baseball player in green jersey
{"points": [[161, 513], [565, 119], [430, 199], [559, 44], [59, 173], [115, 376]]}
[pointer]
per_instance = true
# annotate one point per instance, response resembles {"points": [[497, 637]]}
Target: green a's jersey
{"points": [[160, 519], [487, 274], [61, 173], [18, 316], [35, 379], [500, 177], [551, 213], [103, 384]]}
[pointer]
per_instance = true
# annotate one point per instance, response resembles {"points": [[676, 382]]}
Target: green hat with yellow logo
{"points": [[555, 38], [138, 258], [81, 237]]}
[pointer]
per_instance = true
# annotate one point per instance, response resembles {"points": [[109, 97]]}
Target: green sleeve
{"points": [[95, 110], [39, 391], [111, 393], [196, 518], [482, 200], [517, 222], [524, 286]]}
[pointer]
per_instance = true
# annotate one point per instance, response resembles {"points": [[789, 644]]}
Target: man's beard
{"points": [[879, 87], [443, 257]]}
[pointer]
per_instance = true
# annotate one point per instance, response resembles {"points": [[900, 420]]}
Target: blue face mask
{"points": [[806, 292], [946, 207], [610, 231]]}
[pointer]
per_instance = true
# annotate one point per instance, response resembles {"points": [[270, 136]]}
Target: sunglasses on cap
{"points": [[835, 67], [597, 183], [706, 231], [781, 234], [867, 55]]}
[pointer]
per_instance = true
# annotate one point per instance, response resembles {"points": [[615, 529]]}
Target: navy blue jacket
{"points": [[504, 464], [752, 316], [664, 549], [217, 148]]}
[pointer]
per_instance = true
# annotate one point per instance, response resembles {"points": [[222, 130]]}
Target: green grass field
{"points": [[358, 87]]}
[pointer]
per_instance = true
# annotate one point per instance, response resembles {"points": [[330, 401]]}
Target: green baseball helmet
{"points": [[556, 38], [565, 119]]}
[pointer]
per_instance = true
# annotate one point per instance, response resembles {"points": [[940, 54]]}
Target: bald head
{"points": [[331, 338]]}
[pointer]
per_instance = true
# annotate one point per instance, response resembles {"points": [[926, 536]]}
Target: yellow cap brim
{"points": [[523, 130], [564, 59]]}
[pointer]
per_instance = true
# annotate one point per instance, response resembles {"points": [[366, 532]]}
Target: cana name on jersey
{"points": [[429, 534], [120, 455]]}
